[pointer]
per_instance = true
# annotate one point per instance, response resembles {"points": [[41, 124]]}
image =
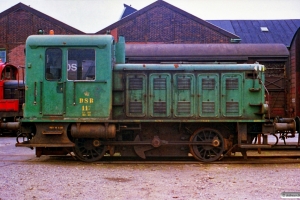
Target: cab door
{"points": [[88, 94], [52, 90]]}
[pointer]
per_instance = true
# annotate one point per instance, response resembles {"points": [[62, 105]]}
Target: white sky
{"points": [[91, 16]]}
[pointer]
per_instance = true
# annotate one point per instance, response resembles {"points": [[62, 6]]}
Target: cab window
{"points": [[53, 64], [81, 64]]}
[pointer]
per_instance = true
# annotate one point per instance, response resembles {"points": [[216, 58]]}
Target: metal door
{"points": [[208, 90], [184, 89], [232, 94], [136, 95], [52, 89], [160, 95]]}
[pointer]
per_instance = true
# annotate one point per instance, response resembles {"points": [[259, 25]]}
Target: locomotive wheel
{"points": [[89, 150], [207, 153]]}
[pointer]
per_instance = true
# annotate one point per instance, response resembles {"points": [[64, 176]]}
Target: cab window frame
{"points": [[81, 64], [53, 64]]}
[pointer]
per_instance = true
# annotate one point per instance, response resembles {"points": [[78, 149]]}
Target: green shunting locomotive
{"points": [[83, 99]]}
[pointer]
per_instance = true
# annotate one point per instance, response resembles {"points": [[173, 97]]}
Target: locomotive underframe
{"points": [[206, 141]]}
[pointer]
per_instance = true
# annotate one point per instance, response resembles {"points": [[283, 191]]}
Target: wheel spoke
{"points": [[214, 151], [202, 150], [96, 152], [199, 137], [204, 133], [205, 154]]}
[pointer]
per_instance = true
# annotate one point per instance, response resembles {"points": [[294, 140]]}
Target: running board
{"points": [[24, 144], [255, 146]]}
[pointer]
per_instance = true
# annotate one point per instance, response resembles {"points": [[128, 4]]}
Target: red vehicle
{"points": [[11, 98]]}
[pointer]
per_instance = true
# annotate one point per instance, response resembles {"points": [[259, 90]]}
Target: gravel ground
{"points": [[49, 178]]}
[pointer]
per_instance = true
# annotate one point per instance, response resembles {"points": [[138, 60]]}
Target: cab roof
{"points": [[100, 41]]}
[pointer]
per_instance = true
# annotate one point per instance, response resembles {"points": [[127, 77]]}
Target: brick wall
{"points": [[16, 27], [162, 25]]}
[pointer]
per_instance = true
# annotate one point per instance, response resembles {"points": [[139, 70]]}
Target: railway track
{"points": [[263, 159], [10, 154], [257, 159]]}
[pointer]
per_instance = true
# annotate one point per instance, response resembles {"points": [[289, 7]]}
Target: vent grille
{"points": [[208, 84], [232, 84], [135, 107], [232, 107], [135, 83], [159, 83], [184, 107], [208, 107], [159, 107], [184, 84]]}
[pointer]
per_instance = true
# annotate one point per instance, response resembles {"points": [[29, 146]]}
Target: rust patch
{"points": [[176, 66], [144, 65], [118, 179], [55, 118]]}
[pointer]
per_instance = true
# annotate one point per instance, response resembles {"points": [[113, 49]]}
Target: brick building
{"points": [[161, 22], [21, 21], [161, 32]]}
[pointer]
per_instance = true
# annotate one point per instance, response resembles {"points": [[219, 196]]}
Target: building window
{"points": [[264, 29], [3, 55]]}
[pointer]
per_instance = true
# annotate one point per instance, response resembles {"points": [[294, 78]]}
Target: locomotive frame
{"points": [[81, 97]]}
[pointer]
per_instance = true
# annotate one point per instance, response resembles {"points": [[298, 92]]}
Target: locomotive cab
{"points": [[68, 79], [76, 79]]}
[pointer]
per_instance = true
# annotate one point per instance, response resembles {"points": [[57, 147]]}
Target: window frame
{"points": [[48, 75], [3, 58], [79, 65]]}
